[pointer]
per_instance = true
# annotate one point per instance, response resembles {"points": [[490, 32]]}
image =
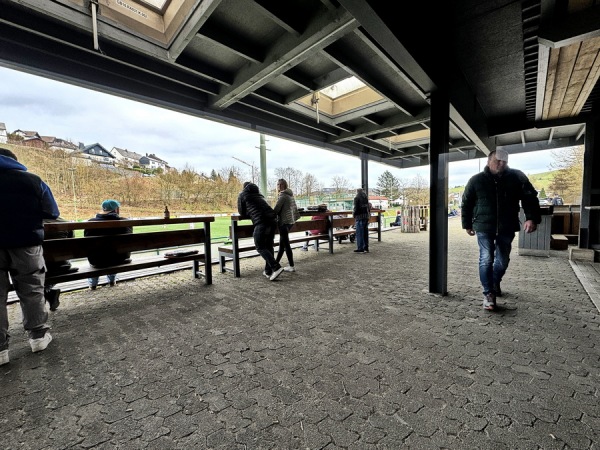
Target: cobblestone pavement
{"points": [[349, 352]]}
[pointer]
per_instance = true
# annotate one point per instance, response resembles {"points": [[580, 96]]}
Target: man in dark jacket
{"points": [[252, 205], [27, 201], [105, 258], [361, 211], [490, 209]]}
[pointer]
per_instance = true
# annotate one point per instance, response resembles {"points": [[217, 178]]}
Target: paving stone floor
{"points": [[349, 352]]}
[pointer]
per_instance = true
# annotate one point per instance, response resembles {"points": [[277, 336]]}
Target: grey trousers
{"points": [[27, 272]]}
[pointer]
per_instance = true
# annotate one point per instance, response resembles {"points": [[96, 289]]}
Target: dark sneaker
{"points": [[489, 302], [92, 288], [359, 251], [52, 298], [112, 283], [497, 290]]}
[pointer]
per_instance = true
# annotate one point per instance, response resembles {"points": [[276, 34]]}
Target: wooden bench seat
{"points": [[63, 249], [243, 243]]}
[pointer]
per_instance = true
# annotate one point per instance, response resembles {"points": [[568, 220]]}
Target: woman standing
{"points": [[287, 214]]}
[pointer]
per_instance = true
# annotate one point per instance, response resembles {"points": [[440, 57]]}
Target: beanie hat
{"points": [[110, 205]]}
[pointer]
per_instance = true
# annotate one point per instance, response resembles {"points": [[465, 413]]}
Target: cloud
{"points": [[66, 111]]}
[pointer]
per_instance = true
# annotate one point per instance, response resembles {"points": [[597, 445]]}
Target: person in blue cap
{"points": [[27, 201], [110, 211]]}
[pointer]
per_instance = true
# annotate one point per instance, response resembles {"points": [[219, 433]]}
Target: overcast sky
{"points": [[69, 112]]}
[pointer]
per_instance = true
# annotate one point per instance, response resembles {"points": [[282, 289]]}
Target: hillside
{"points": [[539, 180]]}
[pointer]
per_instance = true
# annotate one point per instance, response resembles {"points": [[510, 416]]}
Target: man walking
{"points": [[252, 204], [490, 209], [26, 200]]}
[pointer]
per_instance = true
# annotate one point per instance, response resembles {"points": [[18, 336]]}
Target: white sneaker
{"points": [[289, 269], [276, 274], [266, 275], [4, 359], [37, 345]]}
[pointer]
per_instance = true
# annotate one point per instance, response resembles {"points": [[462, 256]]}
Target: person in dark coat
{"points": [[490, 209], [361, 211], [252, 205], [110, 211], [27, 201]]}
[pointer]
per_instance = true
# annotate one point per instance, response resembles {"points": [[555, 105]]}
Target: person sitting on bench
{"points": [[106, 258]]}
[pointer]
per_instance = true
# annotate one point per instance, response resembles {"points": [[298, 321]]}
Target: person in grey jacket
{"points": [[27, 201], [490, 209], [252, 205], [287, 214]]}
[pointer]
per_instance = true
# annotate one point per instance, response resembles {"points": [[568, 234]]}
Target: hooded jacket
{"points": [[286, 209], [27, 201], [492, 203], [361, 209], [252, 204]]}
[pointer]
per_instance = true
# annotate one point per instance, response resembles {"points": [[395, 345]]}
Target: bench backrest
{"points": [[81, 247], [241, 231]]}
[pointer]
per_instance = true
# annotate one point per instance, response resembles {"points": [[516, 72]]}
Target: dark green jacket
{"points": [[492, 204]]}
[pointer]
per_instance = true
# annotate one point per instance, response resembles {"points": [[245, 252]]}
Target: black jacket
{"points": [[252, 204], [492, 203], [108, 258]]}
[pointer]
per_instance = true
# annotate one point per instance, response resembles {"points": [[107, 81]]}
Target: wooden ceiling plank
{"points": [[286, 53]]}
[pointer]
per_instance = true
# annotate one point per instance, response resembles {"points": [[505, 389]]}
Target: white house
{"points": [[126, 158], [151, 161]]}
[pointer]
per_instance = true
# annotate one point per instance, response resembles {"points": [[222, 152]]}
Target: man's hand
{"points": [[470, 231], [529, 226]]}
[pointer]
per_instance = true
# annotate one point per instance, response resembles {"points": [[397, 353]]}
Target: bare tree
{"points": [[309, 185], [340, 184], [568, 179], [418, 191]]}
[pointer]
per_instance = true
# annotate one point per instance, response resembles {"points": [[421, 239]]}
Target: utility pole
{"points": [[72, 170], [253, 174], [263, 165]]}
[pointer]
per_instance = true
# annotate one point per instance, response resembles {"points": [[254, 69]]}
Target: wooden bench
{"points": [[344, 226], [242, 242], [56, 250], [330, 229]]}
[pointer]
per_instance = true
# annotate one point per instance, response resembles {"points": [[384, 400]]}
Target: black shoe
{"points": [[51, 296], [112, 283], [497, 290], [358, 251]]}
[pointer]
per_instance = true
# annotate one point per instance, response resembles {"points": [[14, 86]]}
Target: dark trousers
{"points": [[284, 244], [264, 235]]}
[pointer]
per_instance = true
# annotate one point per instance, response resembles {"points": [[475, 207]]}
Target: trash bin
{"points": [[538, 242]]}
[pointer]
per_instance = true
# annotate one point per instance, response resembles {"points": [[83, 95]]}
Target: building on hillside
{"points": [[3, 134], [55, 143], [152, 162], [97, 153], [30, 138], [125, 157]]}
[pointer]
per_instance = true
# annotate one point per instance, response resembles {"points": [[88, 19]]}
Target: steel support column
{"points": [[439, 160], [589, 230], [364, 172]]}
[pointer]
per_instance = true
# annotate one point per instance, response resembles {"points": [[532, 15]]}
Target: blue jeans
{"points": [[93, 281], [494, 256], [362, 234], [263, 235]]}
